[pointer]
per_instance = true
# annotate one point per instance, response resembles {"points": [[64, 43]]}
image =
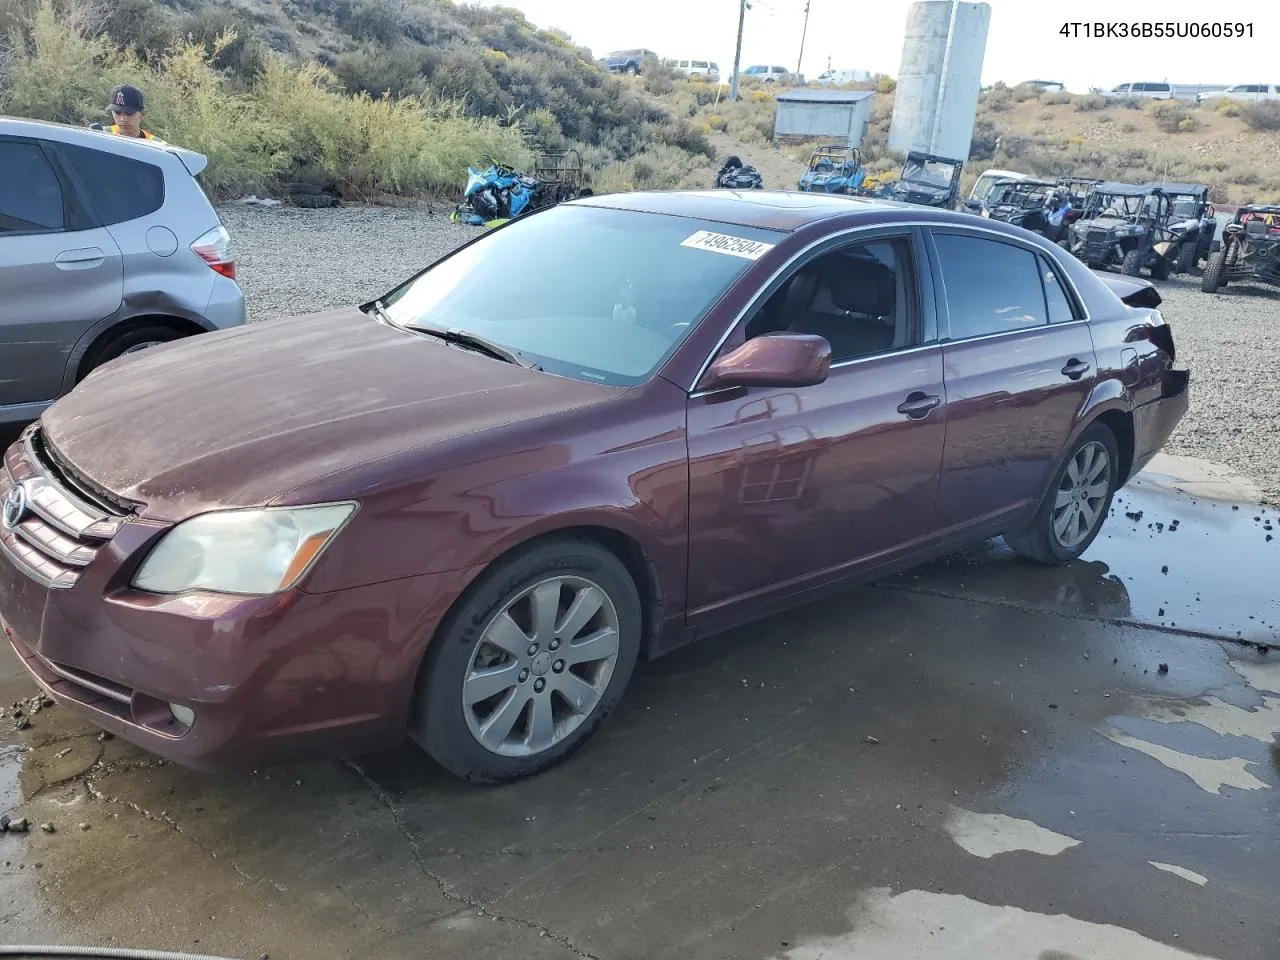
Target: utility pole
{"points": [[737, 53], [803, 32]]}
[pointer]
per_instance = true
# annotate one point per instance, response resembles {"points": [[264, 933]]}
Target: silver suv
{"points": [[107, 245]]}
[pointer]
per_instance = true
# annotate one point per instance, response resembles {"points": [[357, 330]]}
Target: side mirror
{"points": [[973, 205], [776, 360]]}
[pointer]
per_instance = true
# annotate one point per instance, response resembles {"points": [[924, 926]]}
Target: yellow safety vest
{"points": [[146, 134]]}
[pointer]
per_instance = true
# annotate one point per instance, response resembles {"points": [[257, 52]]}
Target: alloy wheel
{"points": [[541, 666], [1082, 495]]}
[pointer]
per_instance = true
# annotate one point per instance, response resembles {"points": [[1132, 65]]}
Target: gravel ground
{"points": [[296, 261]]}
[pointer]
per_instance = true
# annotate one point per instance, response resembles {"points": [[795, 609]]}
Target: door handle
{"points": [[79, 259], [917, 405], [1075, 369]]}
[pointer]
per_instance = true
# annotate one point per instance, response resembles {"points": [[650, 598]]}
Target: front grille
{"points": [[67, 520]]}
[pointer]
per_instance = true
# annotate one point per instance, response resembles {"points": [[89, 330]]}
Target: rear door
{"points": [[1019, 364], [59, 272]]}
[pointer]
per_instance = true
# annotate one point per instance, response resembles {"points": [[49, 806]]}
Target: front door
{"points": [[789, 486], [1019, 367], [55, 281]]}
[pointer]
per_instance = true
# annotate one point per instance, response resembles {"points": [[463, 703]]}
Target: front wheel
{"points": [[1214, 268], [1072, 513], [1131, 265], [1187, 257], [530, 664]]}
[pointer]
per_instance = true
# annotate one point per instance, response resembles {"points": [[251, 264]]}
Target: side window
{"points": [[860, 297], [30, 195], [1055, 295], [118, 188], [990, 287], [700, 64]]}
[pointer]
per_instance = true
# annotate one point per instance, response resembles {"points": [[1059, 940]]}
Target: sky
{"points": [[1023, 42]]}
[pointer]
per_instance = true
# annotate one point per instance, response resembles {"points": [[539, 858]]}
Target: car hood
{"points": [[1101, 223], [240, 417]]}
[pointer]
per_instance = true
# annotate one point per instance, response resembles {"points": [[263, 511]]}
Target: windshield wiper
{"points": [[380, 312], [474, 341]]}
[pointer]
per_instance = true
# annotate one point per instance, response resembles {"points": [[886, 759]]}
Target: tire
{"points": [[131, 340], [1038, 540], [1131, 265], [632, 70], [1065, 244], [1160, 269], [1187, 257], [526, 676], [1213, 270]]}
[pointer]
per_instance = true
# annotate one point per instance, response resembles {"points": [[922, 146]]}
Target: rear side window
{"points": [[990, 287], [1055, 297], [30, 195], [119, 188]]}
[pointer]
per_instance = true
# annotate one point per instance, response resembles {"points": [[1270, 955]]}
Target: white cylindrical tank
{"points": [[940, 78]]}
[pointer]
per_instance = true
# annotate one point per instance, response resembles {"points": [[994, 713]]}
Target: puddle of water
{"points": [[1213, 573], [941, 926]]}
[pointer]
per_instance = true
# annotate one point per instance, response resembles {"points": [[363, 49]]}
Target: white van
{"points": [[697, 68], [1153, 91]]}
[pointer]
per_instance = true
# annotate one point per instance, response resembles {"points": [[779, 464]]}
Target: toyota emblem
{"points": [[15, 506]]}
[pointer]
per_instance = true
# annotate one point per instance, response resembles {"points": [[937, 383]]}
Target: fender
{"points": [[1108, 395], [129, 310]]}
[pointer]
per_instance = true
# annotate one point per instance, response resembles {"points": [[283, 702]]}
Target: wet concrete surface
{"points": [[980, 758]]}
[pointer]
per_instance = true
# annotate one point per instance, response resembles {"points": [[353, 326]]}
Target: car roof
{"points": [[137, 148], [1261, 208], [1171, 187], [1125, 189], [781, 210]]}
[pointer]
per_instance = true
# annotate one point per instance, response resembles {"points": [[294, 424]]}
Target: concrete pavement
{"points": [[977, 759]]}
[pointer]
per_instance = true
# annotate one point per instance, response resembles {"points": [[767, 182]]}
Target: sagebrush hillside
{"points": [[376, 95]]}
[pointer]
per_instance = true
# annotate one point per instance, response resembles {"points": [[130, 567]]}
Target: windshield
{"points": [[932, 172], [1186, 207], [584, 292], [1111, 205]]}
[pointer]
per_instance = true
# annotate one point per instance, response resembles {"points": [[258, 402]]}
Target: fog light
{"points": [[184, 715]]}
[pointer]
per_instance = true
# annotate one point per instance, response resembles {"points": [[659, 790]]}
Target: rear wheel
{"points": [[1131, 265], [1160, 269], [1214, 268], [129, 341], [532, 662], [1072, 512]]}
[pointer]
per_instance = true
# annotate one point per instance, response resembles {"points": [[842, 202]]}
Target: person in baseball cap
{"points": [[127, 109]]}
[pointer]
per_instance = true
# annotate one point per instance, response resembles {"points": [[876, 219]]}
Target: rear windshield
{"points": [[585, 292]]}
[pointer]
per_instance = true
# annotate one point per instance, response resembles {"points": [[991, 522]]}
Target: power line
{"points": [[803, 33]]}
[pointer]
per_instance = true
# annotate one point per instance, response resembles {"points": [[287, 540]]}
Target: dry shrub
{"points": [[1263, 115], [1173, 117]]}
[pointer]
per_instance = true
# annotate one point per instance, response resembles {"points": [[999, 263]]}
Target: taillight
{"points": [[214, 248]]}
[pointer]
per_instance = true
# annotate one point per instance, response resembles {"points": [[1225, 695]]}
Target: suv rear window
{"points": [[118, 188], [30, 195]]}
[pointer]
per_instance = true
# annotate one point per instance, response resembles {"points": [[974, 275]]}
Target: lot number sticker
{"points": [[723, 243]]}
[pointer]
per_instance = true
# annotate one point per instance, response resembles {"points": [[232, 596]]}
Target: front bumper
{"points": [[269, 679]]}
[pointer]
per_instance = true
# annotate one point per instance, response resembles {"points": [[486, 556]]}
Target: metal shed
{"points": [[831, 115]]}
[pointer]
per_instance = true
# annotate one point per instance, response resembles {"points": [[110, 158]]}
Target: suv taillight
{"points": [[214, 248]]}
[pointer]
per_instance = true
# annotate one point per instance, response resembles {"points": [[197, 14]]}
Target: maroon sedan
{"points": [[591, 435]]}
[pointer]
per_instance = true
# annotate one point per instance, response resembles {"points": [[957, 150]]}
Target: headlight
{"points": [[255, 552]]}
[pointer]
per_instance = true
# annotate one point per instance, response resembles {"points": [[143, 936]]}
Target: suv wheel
{"points": [[632, 70], [1214, 268], [1187, 257], [130, 341], [1072, 512], [530, 664]]}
